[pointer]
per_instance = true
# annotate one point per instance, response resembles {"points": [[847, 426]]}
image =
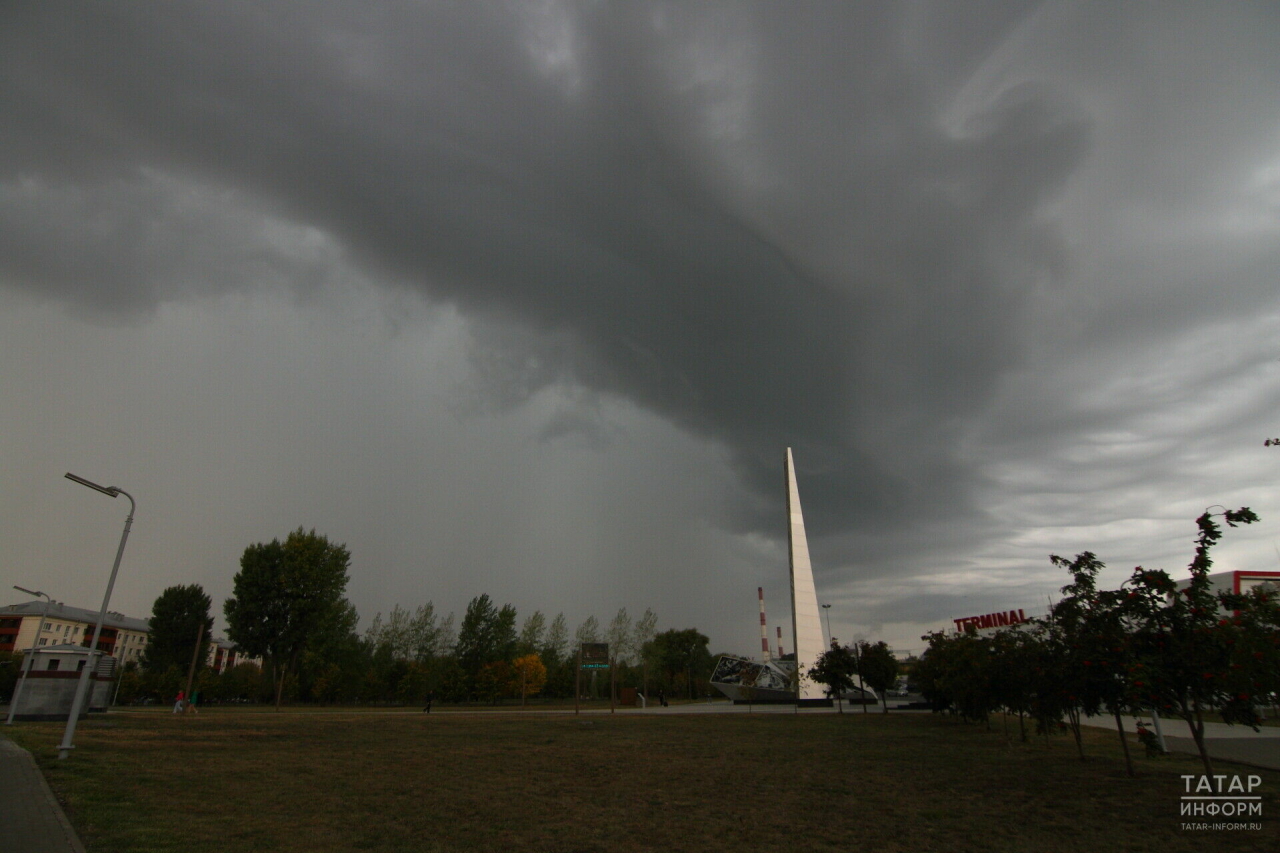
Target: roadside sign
{"points": [[595, 655]]}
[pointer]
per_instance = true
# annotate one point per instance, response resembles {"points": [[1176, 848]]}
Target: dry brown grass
{"points": [[229, 781]]}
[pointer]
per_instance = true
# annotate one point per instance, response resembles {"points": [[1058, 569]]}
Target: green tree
{"points": [[878, 668], [681, 658], [288, 596], [642, 634], [176, 617], [1015, 656], [532, 633], [1095, 663], [426, 632], [10, 666], [1254, 674], [556, 645], [1183, 648], [588, 631], [834, 670], [487, 636]]}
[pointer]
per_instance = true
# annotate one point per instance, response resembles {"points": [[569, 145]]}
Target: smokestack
{"points": [[764, 629], [781, 653]]}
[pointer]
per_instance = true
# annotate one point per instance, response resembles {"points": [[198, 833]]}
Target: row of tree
{"points": [[865, 664], [1149, 647], [289, 608]]}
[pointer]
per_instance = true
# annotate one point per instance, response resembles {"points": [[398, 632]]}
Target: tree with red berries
{"points": [[1183, 648]]}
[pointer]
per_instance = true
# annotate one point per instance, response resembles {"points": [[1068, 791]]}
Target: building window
{"points": [[54, 664], [44, 640], [47, 626], [79, 668]]}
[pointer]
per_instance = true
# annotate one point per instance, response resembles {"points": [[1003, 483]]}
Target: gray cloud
{"points": [[903, 239]]}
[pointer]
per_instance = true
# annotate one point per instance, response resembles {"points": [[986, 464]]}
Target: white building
{"points": [[47, 690], [123, 637], [1237, 582]]}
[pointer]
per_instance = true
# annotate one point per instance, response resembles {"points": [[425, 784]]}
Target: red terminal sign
{"points": [[1002, 619]]}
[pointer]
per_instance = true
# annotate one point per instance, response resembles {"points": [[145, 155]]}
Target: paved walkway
{"points": [[32, 819], [1229, 743]]}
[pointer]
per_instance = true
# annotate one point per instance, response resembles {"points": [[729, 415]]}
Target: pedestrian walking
{"points": [[431, 697], [177, 705]]}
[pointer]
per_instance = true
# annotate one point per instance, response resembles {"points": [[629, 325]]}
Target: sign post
{"points": [[590, 656]]}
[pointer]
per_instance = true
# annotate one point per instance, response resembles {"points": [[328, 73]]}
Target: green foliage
{"points": [[835, 670], [176, 617], [878, 668], [289, 597], [556, 645], [1183, 652], [487, 636], [588, 631], [676, 656], [1187, 656], [10, 666], [618, 636], [532, 633]]}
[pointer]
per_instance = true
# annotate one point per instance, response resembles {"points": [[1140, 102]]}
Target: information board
{"points": [[595, 655]]}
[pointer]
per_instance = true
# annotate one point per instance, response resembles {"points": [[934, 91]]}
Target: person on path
{"points": [[191, 703], [431, 697], [177, 705]]}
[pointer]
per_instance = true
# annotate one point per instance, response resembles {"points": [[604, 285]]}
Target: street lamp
{"points": [[82, 686], [827, 608], [26, 664]]}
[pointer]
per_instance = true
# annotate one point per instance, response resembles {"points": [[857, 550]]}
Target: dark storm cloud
{"points": [[753, 220]]}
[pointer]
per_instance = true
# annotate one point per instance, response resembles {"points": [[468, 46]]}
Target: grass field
{"points": [[250, 780]]}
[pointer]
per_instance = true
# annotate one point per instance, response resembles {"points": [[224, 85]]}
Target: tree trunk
{"points": [[279, 686], [1022, 726], [1124, 742], [1073, 717], [1195, 722]]}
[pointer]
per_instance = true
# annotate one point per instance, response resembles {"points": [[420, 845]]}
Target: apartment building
{"points": [[124, 637]]}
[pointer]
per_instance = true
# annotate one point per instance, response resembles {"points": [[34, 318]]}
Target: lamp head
{"points": [[106, 490]]}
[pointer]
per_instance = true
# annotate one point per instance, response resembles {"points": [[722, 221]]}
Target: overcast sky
{"points": [[529, 298]]}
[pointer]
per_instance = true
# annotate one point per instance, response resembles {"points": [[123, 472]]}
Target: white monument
{"points": [[806, 624], [773, 680]]}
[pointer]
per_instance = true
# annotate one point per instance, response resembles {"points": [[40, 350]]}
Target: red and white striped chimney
{"points": [[764, 629]]}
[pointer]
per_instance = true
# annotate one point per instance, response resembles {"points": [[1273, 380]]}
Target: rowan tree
{"points": [[1183, 647]]}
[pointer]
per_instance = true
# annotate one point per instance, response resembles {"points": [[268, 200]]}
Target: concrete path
{"points": [[1240, 744], [32, 819]]}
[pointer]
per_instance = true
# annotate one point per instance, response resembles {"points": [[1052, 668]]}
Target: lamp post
{"points": [[26, 664], [827, 613], [82, 686]]}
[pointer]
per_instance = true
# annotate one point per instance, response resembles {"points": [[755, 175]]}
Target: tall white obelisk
{"points": [[806, 624]]}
